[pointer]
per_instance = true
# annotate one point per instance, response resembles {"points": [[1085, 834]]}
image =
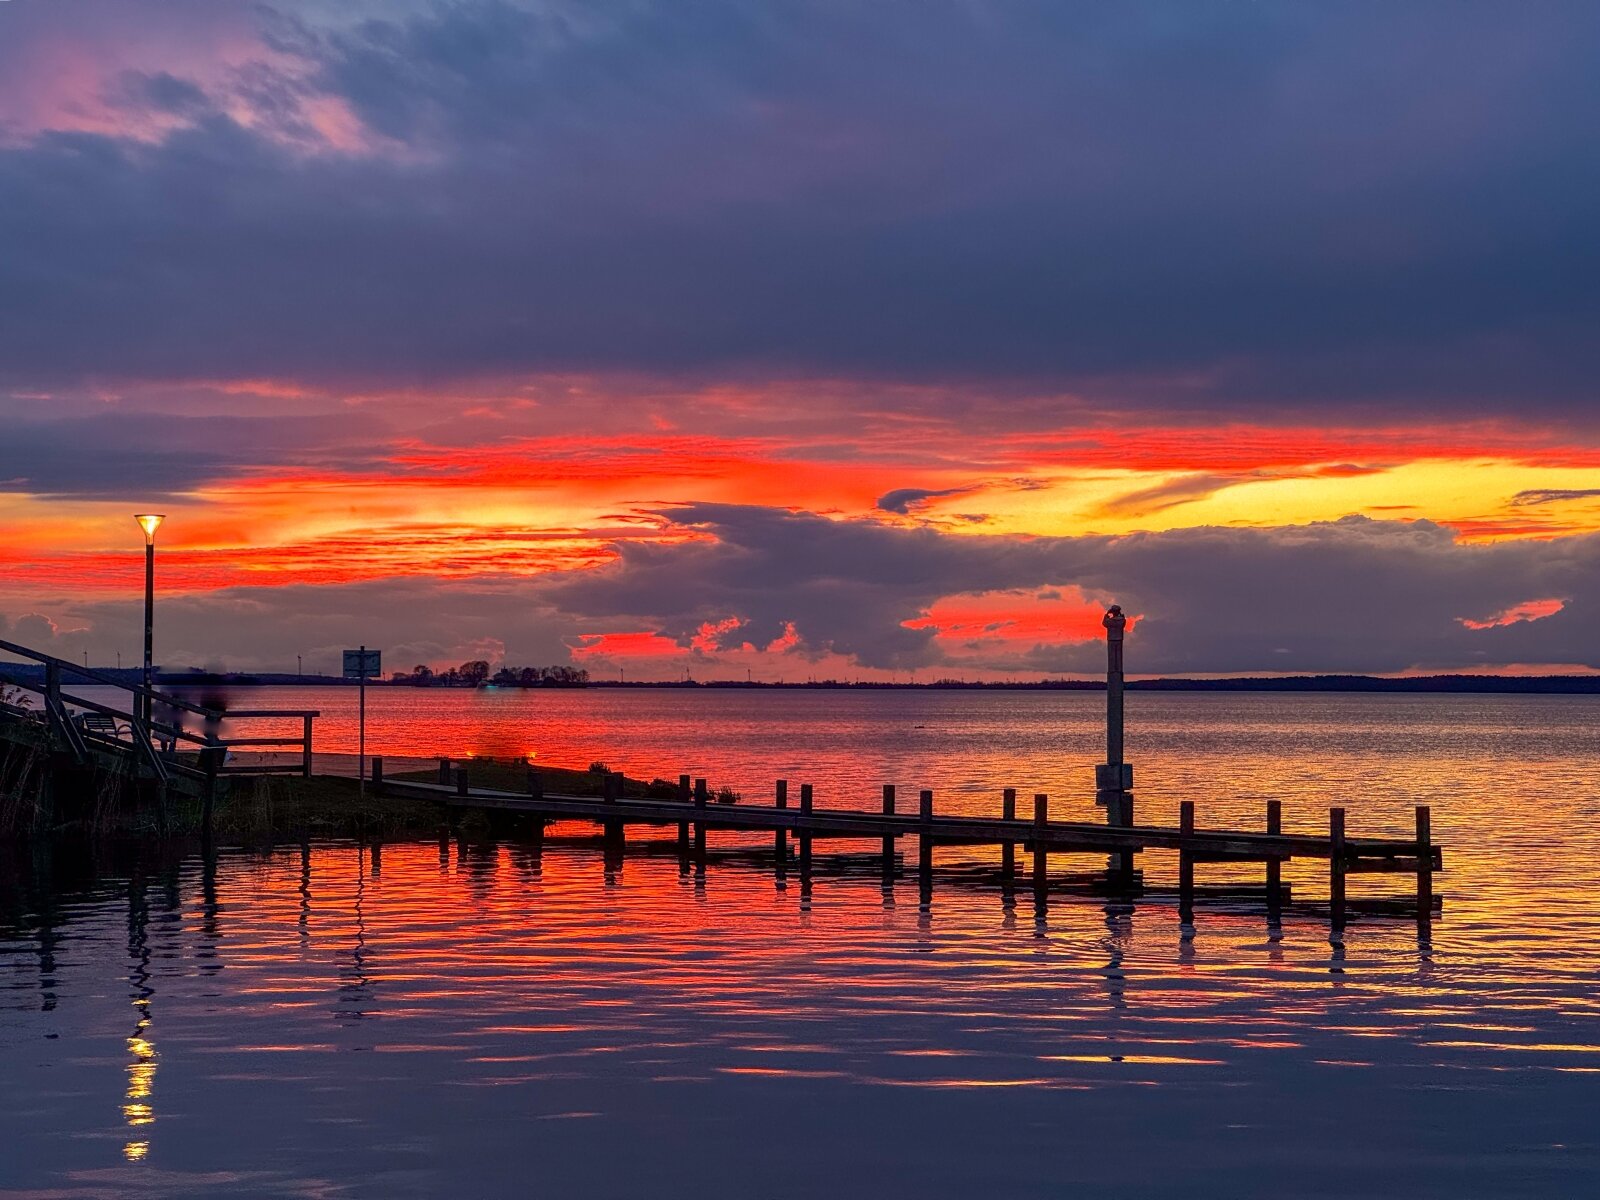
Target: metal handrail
{"points": [[142, 728], [107, 680]]}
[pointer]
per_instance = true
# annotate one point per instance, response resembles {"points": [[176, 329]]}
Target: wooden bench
{"points": [[102, 725]]}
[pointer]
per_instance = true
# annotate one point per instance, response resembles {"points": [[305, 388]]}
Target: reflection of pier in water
{"points": [[528, 822]]}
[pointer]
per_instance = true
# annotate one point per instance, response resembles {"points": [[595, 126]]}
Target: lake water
{"points": [[473, 1020]]}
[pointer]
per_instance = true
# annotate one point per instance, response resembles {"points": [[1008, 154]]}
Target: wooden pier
{"points": [[692, 812]]}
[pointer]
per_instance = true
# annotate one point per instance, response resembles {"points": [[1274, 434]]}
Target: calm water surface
{"points": [[472, 1020]]}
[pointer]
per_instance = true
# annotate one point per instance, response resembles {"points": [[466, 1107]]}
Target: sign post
{"points": [[359, 664]]}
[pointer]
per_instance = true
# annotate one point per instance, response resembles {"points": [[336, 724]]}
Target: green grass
{"points": [[280, 806]]}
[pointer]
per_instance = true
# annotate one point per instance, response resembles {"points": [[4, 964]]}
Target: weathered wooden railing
{"points": [[157, 740]]}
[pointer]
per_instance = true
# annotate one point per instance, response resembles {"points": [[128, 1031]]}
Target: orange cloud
{"points": [[1528, 610], [1053, 616]]}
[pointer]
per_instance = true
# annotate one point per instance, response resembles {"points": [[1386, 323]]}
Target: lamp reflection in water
{"points": [[137, 1110]]}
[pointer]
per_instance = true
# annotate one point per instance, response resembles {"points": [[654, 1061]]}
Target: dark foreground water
{"points": [[476, 1021]]}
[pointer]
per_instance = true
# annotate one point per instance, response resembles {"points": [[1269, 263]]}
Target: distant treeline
{"points": [[1584, 685], [476, 673], [472, 674]]}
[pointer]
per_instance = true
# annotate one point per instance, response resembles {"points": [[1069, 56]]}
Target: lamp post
{"points": [[149, 522]]}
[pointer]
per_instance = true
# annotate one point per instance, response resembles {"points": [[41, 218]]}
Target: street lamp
{"points": [[149, 522]]}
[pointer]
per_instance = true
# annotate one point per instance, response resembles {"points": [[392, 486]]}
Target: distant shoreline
{"points": [[1579, 685]]}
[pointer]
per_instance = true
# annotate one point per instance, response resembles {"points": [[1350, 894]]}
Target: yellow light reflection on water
{"points": [[136, 1112]]}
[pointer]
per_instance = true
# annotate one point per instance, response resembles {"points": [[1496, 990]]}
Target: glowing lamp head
{"points": [[150, 522]]}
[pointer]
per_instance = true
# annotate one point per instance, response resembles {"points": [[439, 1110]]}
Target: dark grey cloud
{"points": [[153, 455], [1349, 595], [1535, 496], [1193, 205], [412, 620], [903, 500]]}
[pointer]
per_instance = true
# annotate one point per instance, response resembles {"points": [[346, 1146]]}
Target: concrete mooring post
{"points": [[1114, 777]]}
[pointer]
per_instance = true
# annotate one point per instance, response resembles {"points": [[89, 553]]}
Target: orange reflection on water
{"points": [[543, 982]]}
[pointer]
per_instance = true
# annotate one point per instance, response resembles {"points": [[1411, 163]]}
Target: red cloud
{"points": [[1528, 610]]}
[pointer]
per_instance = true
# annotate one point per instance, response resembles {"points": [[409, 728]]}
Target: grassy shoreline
{"points": [[277, 807]]}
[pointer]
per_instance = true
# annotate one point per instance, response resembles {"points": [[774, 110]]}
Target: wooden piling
{"points": [[444, 771], [616, 832], [1041, 818], [1336, 865], [377, 774], [1424, 863], [805, 797], [888, 842], [1274, 866], [461, 782], [700, 797], [685, 796], [1186, 865], [535, 783], [780, 836], [925, 840], [1008, 851]]}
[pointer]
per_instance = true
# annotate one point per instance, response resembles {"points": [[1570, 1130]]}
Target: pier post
{"points": [[444, 771], [305, 758], [1186, 864], [700, 797], [925, 840], [616, 832], [780, 836], [1274, 865], [1041, 819], [888, 841], [461, 782], [1336, 866], [377, 774], [1424, 864], [535, 783], [1114, 777], [684, 797], [806, 797], [1008, 851]]}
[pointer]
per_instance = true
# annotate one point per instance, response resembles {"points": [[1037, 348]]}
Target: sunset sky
{"points": [[844, 338]]}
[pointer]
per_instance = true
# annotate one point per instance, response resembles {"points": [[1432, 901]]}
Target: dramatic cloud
{"points": [[775, 590], [1176, 205], [879, 336], [1349, 595]]}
